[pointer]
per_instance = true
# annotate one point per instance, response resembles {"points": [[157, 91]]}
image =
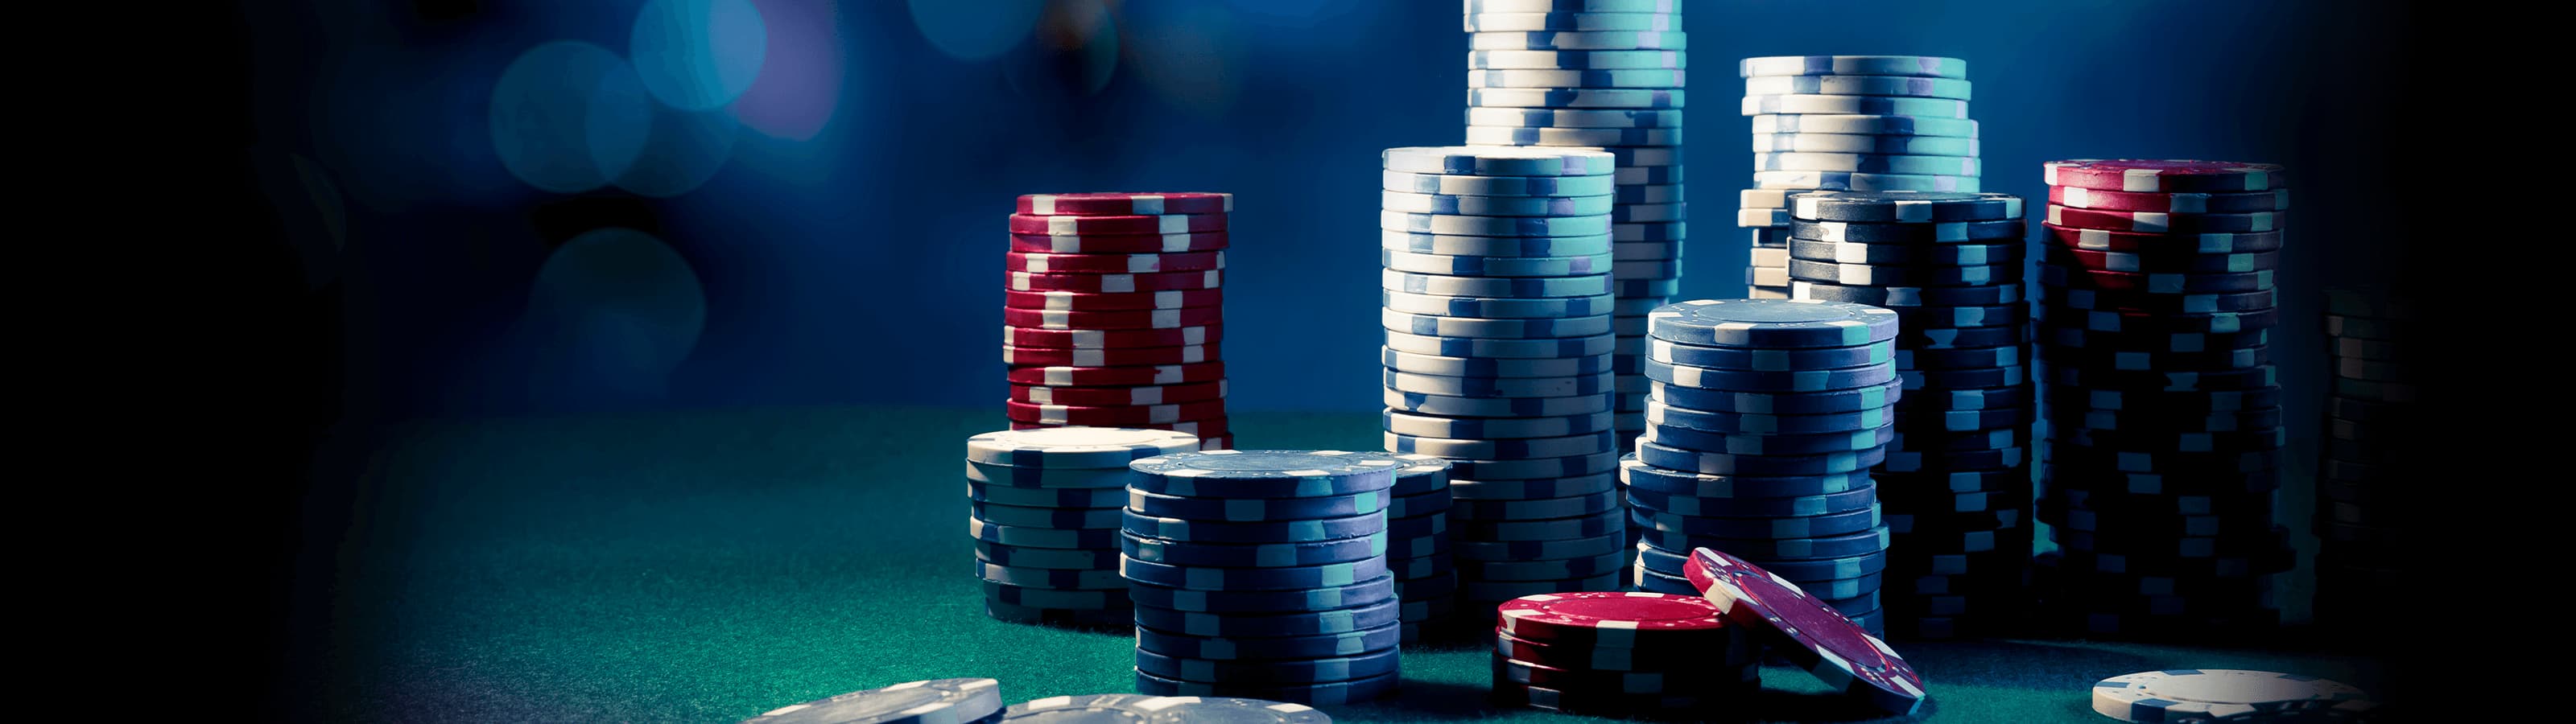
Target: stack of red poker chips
{"points": [[1113, 312], [1621, 654]]}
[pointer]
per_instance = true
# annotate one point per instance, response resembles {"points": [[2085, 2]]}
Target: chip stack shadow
{"points": [[1044, 511], [1263, 574], [1497, 313], [1956, 483], [2162, 410], [2370, 427], [1113, 312], [1604, 74], [1847, 123], [1761, 426]]}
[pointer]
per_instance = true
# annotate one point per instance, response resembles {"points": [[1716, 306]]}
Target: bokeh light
{"points": [[800, 78], [698, 54], [568, 117], [1075, 55], [977, 30], [617, 303], [682, 151]]}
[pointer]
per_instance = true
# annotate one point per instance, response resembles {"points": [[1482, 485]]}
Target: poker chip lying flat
{"points": [[1770, 323], [2176, 203], [1144, 708], [1579, 40], [2223, 694], [936, 701], [1576, 59], [1498, 161], [1125, 204], [1614, 619], [1811, 633], [2164, 176], [1874, 125], [1923, 66], [1851, 181], [1174, 243], [1075, 447]]}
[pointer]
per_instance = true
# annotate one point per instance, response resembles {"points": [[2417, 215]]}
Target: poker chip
{"points": [[1861, 181], [1583, 21], [1111, 338], [1113, 320], [2143, 242], [1121, 301], [1143, 708], [1578, 40], [1318, 694], [1613, 78], [1865, 124], [1895, 65], [936, 701], [1857, 85], [1863, 143], [1575, 59], [1043, 263], [1069, 225], [1125, 204], [2176, 203], [2161, 222], [1811, 634], [2163, 176], [1114, 283], [2176, 694], [1577, 98]]}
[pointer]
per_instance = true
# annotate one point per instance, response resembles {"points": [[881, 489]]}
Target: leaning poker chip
{"points": [[1873, 125], [2164, 223], [1813, 635], [1498, 161], [2174, 203], [1894, 275], [1495, 246], [1577, 98], [2162, 263], [1894, 296], [1112, 263], [1125, 204], [1331, 693], [1108, 357], [1113, 301], [1116, 225], [1466, 225], [1115, 283], [1859, 85], [2151, 176], [1114, 320], [1580, 40], [1470, 185], [1613, 78], [1120, 243], [1111, 338], [1867, 105], [1922, 66], [936, 701], [2178, 694], [2154, 283], [1772, 323], [1776, 381], [1859, 143], [1523, 22], [1075, 447], [1142, 708], [1768, 360], [1575, 59], [1768, 403], [1903, 206], [1987, 232], [1847, 181], [1414, 203]]}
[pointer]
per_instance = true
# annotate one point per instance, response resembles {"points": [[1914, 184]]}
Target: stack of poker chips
{"points": [[1263, 574], [1601, 74], [1761, 426], [1622, 654], [2369, 420], [1956, 483], [1417, 542], [1114, 312], [2164, 424], [1848, 123], [1045, 516]]}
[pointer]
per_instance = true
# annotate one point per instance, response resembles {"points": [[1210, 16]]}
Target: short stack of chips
{"points": [[1114, 311], [1262, 574], [1761, 427], [1622, 654], [1044, 507], [1956, 484], [1604, 74], [1417, 542], [1497, 299], [2164, 421], [1848, 123], [2370, 421]]}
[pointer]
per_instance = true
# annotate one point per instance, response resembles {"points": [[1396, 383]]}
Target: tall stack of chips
{"points": [[1497, 314], [1417, 546], [1044, 511], [1603, 74], [1956, 484], [2164, 415], [1262, 574], [2369, 418], [1113, 312], [1761, 426], [1848, 123]]}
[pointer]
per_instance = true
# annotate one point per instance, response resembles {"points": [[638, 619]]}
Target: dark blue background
{"points": [[862, 264]]}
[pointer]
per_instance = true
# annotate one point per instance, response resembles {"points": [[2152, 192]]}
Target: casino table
{"points": [[711, 565]]}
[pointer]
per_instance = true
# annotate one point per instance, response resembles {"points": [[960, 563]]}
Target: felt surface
{"points": [[709, 566]]}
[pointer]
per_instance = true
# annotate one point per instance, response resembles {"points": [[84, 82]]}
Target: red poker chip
{"points": [[1113, 416], [1112, 263], [1806, 630], [2154, 176], [1126, 204], [1740, 651], [1113, 301], [2162, 223], [1611, 618], [2236, 203], [2133, 241], [1119, 243], [1119, 376], [1119, 396], [1111, 338], [1206, 429], [2162, 262], [1140, 224], [1118, 357], [1114, 283], [1215, 443], [1134, 319], [1685, 682]]}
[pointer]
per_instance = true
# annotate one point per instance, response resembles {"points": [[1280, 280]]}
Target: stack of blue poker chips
{"points": [[1956, 483], [1847, 123], [1607, 74], [1500, 314], [1044, 509], [2370, 425], [1761, 427], [1263, 574], [1417, 542], [2160, 454]]}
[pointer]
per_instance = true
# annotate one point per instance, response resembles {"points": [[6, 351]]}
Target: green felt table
{"points": [[709, 566]]}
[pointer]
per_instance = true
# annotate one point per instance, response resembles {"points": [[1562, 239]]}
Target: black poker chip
{"points": [[1898, 296], [2012, 252]]}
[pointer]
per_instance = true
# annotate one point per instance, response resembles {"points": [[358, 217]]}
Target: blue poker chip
{"points": [[1527, 550], [1414, 474], [1953, 337], [1670, 563], [2183, 403], [1986, 398], [1256, 509], [1924, 359], [1577, 98], [2077, 337], [1640, 476], [1204, 578], [1863, 143], [1364, 665], [1484, 367], [1897, 296], [1542, 569], [1908, 461], [1276, 531], [1846, 501], [1865, 124], [1216, 648], [2071, 418], [1446, 405], [1782, 381], [1773, 323], [1926, 419], [1785, 403], [1057, 518], [1062, 558], [1075, 447], [2171, 381], [1532, 468], [1333, 693], [1795, 103], [1586, 384], [1487, 594], [1489, 307], [1422, 575], [1596, 345], [1291, 622], [1496, 287], [1494, 266], [1577, 60], [1956, 440], [1766, 550], [1498, 161], [1923, 66], [936, 701], [1768, 444], [1438, 326], [1598, 524], [1501, 186], [1740, 423], [2010, 252], [1920, 379], [1087, 538], [1514, 448], [1049, 598], [1050, 578], [1264, 473], [1479, 205], [1328, 598], [1769, 360], [1639, 288], [1809, 526], [1419, 527], [1849, 181], [1069, 478], [1255, 555], [1418, 505], [1478, 428], [1045, 497], [1528, 488], [1500, 246], [1652, 582], [1534, 508], [1758, 465]]}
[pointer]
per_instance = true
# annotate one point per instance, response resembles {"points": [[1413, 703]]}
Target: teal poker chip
{"points": [[1772, 323], [1270, 531], [1641, 476], [1786, 403], [1264, 473], [1206, 578], [1327, 598], [1768, 360], [1760, 465], [1921, 66], [1301, 670], [1216, 648], [1256, 509], [1253, 555], [1773, 381], [1498, 161]]}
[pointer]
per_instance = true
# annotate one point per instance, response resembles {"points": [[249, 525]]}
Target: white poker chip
{"points": [[2178, 694]]}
